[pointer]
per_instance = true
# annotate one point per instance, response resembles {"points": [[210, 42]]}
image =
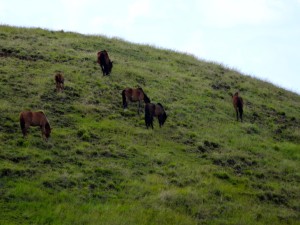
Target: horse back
{"points": [[34, 118], [135, 94], [159, 110]]}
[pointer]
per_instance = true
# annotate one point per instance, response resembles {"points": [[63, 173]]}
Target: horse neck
{"points": [[47, 125], [46, 122]]}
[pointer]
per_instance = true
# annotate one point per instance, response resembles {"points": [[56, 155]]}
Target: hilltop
{"points": [[102, 166]]}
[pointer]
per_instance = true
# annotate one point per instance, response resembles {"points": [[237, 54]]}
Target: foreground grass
{"points": [[101, 166]]}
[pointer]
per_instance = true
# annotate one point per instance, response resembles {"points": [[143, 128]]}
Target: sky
{"points": [[260, 38]]}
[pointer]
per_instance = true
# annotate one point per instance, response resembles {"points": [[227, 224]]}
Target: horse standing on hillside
{"points": [[134, 95], [104, 62], [238, 104], [59, 80], [154, 110], [28, 118]]}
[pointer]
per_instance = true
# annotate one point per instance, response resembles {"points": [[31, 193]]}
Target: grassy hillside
{"points": [[102, 166]]}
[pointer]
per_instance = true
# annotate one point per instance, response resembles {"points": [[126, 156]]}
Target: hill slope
{"points": [[102, 166]]}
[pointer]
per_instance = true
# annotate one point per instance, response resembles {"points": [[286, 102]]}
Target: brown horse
{"points": [[154, 110], [59, 80], [134, 95], [28, 118], [238, 106]]}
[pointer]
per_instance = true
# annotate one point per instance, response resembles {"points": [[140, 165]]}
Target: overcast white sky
{"points": [[260, 38]]}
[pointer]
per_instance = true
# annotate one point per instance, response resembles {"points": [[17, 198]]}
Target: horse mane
{"points": [[146, 99], [164, 115], [47, 122]]}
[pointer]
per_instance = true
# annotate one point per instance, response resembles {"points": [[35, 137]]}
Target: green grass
{"points": [[102, 166]]}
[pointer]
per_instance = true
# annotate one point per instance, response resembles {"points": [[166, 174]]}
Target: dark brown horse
{"points": [[59, 80], [28, 118], [154, 110], [238, 106], [134, 95], [104, 62]]}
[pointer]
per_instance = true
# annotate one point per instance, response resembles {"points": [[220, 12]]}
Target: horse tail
{"points": [[22, 124], [240, 105], [124, 99], [241, 110]]}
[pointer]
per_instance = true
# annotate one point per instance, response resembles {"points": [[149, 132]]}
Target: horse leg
{"points": [[159, 121], [103, 70], [151, 120], [125, 104], [43, 130], [241, 114], [139, 107], [124, 99], [147, 122], [25, 129], [24, 132], [237, 114]]}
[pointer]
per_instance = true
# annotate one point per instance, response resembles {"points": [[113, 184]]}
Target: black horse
{"points": [[105, 64], [154, 110]]}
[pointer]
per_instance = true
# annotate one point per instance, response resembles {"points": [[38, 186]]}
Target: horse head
{"points": [[47, 130]]}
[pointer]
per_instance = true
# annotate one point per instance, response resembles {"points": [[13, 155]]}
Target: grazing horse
{"points": [[59, 80], [238, 106], [154, 110], [28, 118], [104, 62], [134, 95]]}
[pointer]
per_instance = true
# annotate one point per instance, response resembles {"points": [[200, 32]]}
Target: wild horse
{"points": [[134, 95], [28, 118], [154, 110], [238, 105]]}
